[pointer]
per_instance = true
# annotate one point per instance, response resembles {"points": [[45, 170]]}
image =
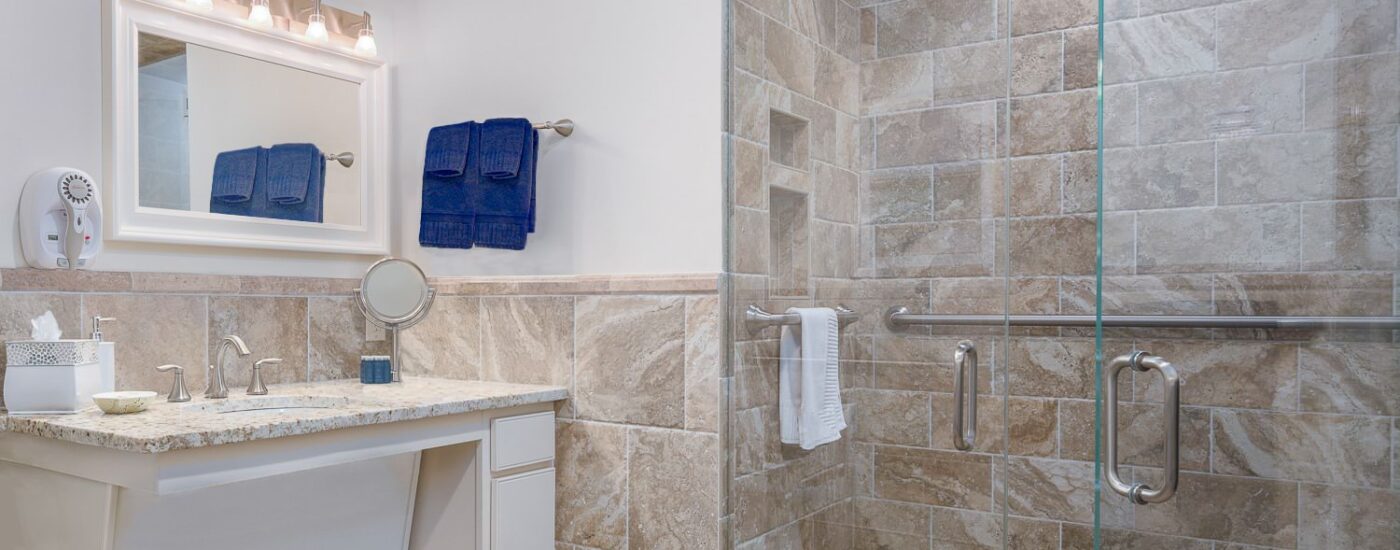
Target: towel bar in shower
{"points": [[901, 317], [757, 319]]}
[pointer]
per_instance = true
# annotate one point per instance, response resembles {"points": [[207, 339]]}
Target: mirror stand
{"points": [[394, 295], [393, 328]]}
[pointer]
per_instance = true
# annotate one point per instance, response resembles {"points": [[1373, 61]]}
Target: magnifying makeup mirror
{"points": [[394, 294]]}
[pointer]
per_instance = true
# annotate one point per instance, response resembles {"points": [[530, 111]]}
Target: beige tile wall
{"points": [[638, 453], [1251, 169]]}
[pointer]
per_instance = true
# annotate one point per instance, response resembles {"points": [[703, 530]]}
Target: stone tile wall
{"points": [[638, 452]]}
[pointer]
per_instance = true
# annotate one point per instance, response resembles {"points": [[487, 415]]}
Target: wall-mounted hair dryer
{"points": [[60, 216]]}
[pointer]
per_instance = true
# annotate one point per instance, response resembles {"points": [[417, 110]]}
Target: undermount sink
{"points": [[269, 405]]}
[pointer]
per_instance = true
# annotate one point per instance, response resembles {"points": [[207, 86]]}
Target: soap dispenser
{"points": [[106, 354]]}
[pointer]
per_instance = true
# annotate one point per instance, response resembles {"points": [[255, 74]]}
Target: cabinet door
{"points": [[522, 511]]}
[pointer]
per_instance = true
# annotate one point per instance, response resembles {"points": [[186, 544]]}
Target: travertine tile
{"points": [[1032, 428], [1140, 295], [1163, 176], [848, 31], [1035, 186], [755, 439], [446, 344], [837, 81], [1033, 16], [1169, 45], [1060, 245], [296, 286], [673, 489], [1240, 238], [1054, 489], [64, 280], [1082, 59], [746, 37], [898, 196], [833, 251], [184, 283], [815, 19], [916, 25], [941, 478], [953, 82], [748, 106], [271, 327], [763, 501], [1036, 64], [1357, 91], [1307, 447], [340, 335], [1343, 517], [591, 488], [953, 528], [837, 193], [749, 161], [17, 309], [1081, 537], [1222, 373], [1350, 378], [904, 362], [156, 330], [1052, 367], [964, 133], [891, 516], [1350, 235], [969, 190], [1140, 440], [527, 340], [1281, 31], [790, 58], [749, 240], [1330, 294], [789, 238], [993, 295], [955, 248], [703, 357], [1347, 163], [1252, 511], [631, 360], [1255, 101], [894, 417], [1054, 123], [897, 83]]}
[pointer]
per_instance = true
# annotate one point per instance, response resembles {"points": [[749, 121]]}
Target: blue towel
{"points": [[258, 205], [446, 220], [257, 196], [234, 172], [291, 170], [447, 150], [503, 143], [312, 206], [505, 207]]}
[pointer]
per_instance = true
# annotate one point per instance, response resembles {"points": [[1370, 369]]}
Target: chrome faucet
{"points": [[218, 388]]}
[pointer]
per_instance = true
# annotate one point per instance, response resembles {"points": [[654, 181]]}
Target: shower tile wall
{"points": [[1251, 169]]}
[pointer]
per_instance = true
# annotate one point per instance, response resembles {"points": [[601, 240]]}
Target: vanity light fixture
{"points": [[201, 5], [316, 25], [365, 45], [260, 14]]}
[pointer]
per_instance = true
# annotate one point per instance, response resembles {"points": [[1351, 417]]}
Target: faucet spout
{"points": [[218, 386]]}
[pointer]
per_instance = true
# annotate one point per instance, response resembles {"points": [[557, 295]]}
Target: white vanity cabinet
{"points": [[438, 479]]}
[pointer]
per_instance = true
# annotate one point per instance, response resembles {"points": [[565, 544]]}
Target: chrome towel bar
{"points": [[563, 126], [901, 317], [757, 319]]}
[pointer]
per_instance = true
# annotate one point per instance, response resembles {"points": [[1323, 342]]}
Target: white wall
{"points": [[638, 188], [51, 115]]}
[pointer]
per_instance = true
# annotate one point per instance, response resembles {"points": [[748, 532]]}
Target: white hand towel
{"points": [[809, 379]]}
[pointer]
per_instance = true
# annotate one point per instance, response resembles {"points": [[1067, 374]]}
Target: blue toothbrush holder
{"points": [[374, 369]]}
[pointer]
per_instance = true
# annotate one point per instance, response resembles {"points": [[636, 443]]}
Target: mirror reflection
{"points": [[233, 135]]}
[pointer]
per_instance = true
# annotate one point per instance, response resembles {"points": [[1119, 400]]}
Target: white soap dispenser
{"points": [[106, 354]]}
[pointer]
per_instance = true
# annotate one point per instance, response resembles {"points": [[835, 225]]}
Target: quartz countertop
{"points": [[174, 426]]}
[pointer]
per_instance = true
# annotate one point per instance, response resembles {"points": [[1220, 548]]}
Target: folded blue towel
{"points": [[503, 143], [447, 150], [505, 207], [257, 194], [446, 219], [258, 205], [234, 172], [290, 171]]}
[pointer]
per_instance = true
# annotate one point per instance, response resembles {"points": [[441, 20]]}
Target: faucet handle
{"points": [[256, 386], [178, 392]]}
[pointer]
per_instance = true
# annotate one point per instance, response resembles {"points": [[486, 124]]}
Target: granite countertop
{"points": [[174, 426]]}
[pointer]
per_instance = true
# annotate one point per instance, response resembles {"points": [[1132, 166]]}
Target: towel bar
{"points": [[563, 126], [345, 159], [757, 319]]}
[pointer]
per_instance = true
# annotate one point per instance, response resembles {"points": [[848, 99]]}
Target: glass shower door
{"points": [[1248, 177]]}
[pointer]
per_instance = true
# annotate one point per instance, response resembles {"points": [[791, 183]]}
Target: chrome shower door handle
{"points": [[1142, 361], [965, 403]]}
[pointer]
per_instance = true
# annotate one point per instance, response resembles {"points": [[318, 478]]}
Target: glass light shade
{"points": [[202, 5], [260, 15], [365, 44], [316, 28]]}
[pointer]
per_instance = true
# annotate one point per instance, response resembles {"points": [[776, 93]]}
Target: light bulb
{"points": [[260, 15], [365, 44], [202, 5], [316, 28]]}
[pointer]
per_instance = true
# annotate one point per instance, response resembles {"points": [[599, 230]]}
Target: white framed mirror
{"points": [[222, 134]]}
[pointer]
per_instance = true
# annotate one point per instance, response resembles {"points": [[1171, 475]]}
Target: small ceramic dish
{"points": [[123, 402]]}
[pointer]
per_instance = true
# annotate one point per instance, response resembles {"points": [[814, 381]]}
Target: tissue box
{"points": [[32, 353]]}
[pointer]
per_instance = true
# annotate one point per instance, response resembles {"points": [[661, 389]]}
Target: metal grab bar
{"points": [[964, 433], [1142, 361], [901, 317], [757, 319]]}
